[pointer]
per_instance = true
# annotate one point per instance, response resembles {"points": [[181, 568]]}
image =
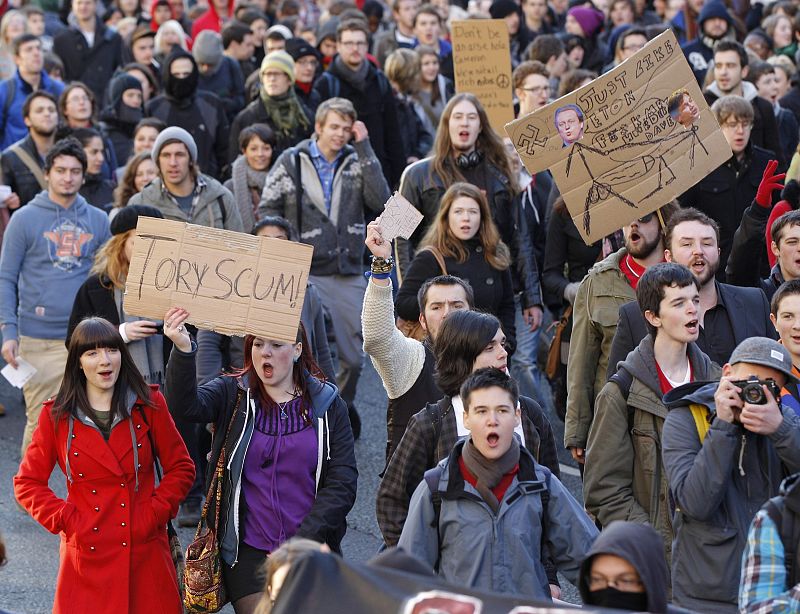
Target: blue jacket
{"points": [[11, 122], [336, 474], [46, 256]]}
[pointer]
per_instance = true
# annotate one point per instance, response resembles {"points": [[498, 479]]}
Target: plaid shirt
{"points": [[763, 587], [326, 171]]}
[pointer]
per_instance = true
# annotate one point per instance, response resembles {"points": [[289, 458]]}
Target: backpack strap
{"points": [[11, 91], [334, 87], [700, 415], [30, 164], [624, 380], [222, 212], [298, 186], [432, 479], [784, 523]]}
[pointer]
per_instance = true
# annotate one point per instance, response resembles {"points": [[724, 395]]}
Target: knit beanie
{"points": [[127, 217], [207, 48], [300, 48], [590, 19], [122, 83], [279, 60], [715, 8], [171, 135], [503, 8]]}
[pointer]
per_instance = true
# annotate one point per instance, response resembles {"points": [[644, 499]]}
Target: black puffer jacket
{"points": [[16, 175], [201, 114], [425, 192]]}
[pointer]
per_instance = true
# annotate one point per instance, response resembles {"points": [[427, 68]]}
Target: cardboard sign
{"points": [[482, 63], [230, 282], [628, 142], [399, 218]]}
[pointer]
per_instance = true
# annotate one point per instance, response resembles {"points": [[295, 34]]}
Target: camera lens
{"points": [[753, 394]]}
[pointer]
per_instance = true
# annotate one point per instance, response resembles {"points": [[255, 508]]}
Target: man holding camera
{"points": [[726, 448]]}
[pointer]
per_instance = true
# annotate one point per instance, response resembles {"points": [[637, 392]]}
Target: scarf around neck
{"points": [[246, 181], [285, 112], [147, 353], [489, 472], [356, 78]]}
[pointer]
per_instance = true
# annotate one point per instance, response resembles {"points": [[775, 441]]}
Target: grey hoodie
{"points": [[46, 256], [717, 486]]}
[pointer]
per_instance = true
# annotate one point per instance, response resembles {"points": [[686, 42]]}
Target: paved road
{"points": [[27, 583]]}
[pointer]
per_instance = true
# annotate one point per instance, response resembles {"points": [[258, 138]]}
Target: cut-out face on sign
{"points": [[683, 109], [569, 123]]}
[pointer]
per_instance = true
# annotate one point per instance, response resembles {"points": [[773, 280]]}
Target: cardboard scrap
{"points": [[482, 64], [399, 218], [230, 282], [613, 147]]}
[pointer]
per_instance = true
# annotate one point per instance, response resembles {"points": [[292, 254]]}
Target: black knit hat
{"points": [[299, 48], [128, 217], [503, 8]]}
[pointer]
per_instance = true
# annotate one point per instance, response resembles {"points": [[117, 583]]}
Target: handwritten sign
{"points": [[628, 142], [482, 63], [229, 282], [399, 218]]}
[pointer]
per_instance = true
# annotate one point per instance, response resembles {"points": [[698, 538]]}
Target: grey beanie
{"points": [[172, 134], [207, 48]]}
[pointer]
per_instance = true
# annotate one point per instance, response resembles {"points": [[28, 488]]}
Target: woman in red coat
{"points": [[114, 554]]}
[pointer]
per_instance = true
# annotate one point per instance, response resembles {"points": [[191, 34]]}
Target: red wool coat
{"points": [[114, 554]]}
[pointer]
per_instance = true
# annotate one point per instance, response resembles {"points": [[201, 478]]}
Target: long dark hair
{"points": [[300, 372], [462, 337], [90, 334]]}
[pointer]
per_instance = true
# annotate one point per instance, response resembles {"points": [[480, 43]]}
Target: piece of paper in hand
{"points": [[19, 377], [399, 218]]}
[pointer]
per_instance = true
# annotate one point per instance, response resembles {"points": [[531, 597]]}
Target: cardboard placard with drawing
{"points": [[230, 282], [627, 143]]}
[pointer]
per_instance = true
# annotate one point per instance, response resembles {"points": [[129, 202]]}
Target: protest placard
{"points": [[628, 142], [399, 218], [230, 282], [482, 64]]}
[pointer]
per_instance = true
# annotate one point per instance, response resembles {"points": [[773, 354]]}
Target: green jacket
{"points": [[594, 321], [624, 478]]}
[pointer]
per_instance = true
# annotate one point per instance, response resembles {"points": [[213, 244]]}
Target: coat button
{"points": [[80, 475], [122, 505], [74, 454], [73, 436], [95, 529], [138, 445], [479, 249], [94, 492], [123, 485], [96, 509], [490, 281], [123, 524], [138, 426], [91, 548], [124, 544]]}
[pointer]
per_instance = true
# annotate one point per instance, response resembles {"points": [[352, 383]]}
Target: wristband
{"points": [[369, 274]]}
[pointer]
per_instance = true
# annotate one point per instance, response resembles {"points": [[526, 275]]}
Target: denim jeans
{"points": [[524, 368]]}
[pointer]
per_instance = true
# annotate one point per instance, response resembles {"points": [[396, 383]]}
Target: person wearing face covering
{"points": [[200, 113], [119, 118], [626, 570], [219, 74]]}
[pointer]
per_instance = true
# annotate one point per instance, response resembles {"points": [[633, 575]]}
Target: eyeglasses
{"points": [[733, 125], [625, 584], [541, 89], [351, 44], [645, 219], [633, 47]]}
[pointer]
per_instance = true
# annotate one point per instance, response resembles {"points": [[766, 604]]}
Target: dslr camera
{"points": [[753, 393]]}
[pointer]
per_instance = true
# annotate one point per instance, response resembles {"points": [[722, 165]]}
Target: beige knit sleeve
{"points": [[397, 359]]}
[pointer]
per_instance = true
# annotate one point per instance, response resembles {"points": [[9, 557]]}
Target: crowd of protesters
{"points": [[674, 348]]}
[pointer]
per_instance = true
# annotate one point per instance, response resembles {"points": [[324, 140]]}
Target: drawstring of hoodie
{"points": [[741, 456]]}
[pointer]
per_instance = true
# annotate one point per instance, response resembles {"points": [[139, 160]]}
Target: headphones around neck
{"points": [[470, 160]]}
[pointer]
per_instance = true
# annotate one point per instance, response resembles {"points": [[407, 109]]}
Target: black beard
{"points": [[645, 250], [46, 135]]}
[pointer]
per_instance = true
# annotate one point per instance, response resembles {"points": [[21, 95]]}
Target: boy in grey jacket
{"points": [[484, 516]]}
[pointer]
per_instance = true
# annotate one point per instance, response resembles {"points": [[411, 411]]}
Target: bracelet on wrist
{"points": [[369, 274]]}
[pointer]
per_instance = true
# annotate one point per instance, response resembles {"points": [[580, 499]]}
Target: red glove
{"points": [[769, 183]]}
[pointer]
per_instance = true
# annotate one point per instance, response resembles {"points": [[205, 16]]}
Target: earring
{"points": [[296, 359]]}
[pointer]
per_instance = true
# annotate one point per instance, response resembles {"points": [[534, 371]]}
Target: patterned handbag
{"points": [[203, 584]]}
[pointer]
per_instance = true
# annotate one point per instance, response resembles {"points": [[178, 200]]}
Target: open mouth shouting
{"points": [[692, 327]]}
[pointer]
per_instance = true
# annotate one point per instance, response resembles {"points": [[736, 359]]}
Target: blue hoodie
{"points": [[46, 256]]}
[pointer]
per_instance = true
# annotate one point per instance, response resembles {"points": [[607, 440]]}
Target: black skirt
{"points": [[248, 576]]}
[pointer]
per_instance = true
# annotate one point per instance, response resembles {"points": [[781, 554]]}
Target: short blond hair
{"points": [[403, 67], [342, 106]]}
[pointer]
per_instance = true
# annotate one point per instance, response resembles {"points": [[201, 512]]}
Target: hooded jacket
{"points": [[624, 477], [641, 547], [594, 322], [210, 20], [338, 235], [474, 547], [46, 256], [200, 113], [717, 487], [214, 206], [700, 51], [12, 124], [118, 120], [336, 473]]}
